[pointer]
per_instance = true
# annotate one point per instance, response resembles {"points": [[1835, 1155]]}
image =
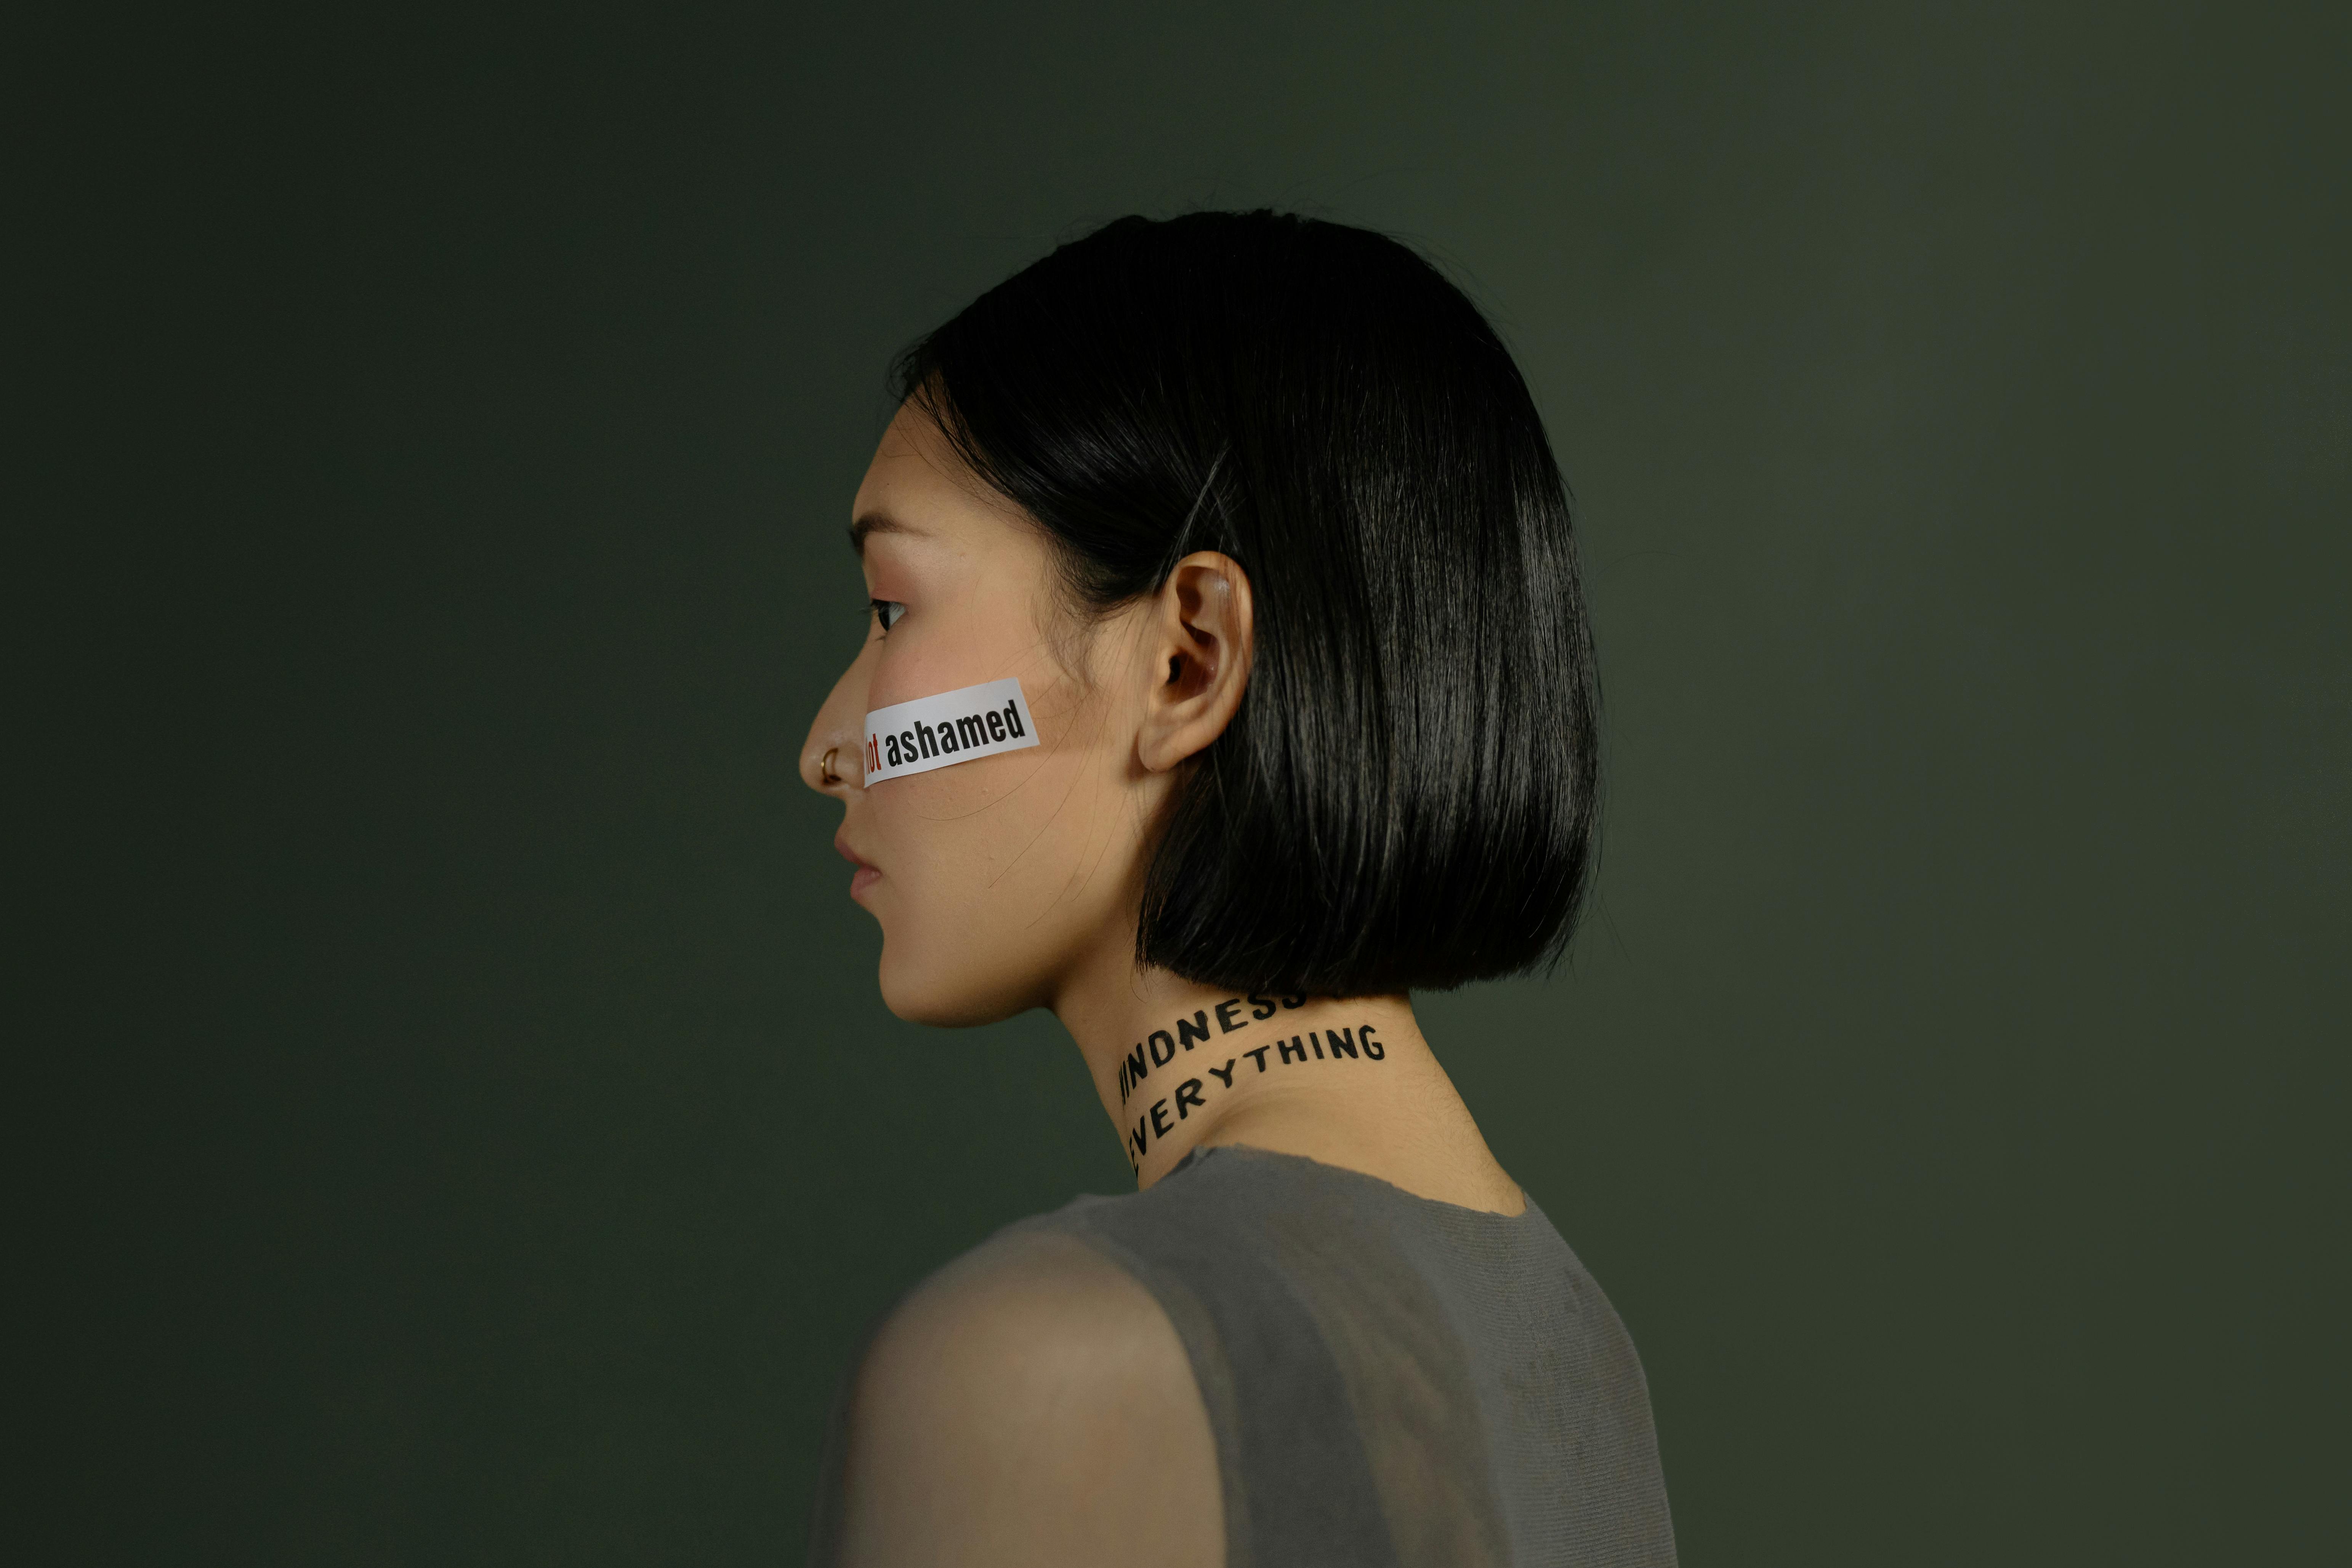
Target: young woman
{"points": [[1229, 681]]}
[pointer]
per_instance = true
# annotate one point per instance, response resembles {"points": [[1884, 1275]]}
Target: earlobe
{"points": [[1204, 630]]}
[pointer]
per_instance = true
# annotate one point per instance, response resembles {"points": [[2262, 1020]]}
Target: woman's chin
{"points": [[944, 995]]}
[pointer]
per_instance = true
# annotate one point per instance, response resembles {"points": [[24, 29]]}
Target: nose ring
{"points": [[824, 768]]}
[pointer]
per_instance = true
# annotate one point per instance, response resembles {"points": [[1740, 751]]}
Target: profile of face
{"points": [[1002, 881]]}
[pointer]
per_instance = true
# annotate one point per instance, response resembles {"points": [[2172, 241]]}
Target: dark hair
{"points": [[1406, 798]]}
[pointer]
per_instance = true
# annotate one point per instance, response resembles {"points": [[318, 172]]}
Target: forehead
{"points": [[917, 488]]}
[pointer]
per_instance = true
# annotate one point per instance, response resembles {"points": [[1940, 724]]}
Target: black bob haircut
{"points": [[1407, 797]]}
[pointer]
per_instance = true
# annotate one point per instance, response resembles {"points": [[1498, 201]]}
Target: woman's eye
{"points": [[886, 612]]}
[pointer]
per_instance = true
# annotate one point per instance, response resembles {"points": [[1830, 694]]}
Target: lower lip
{"points": [[862, 879]]}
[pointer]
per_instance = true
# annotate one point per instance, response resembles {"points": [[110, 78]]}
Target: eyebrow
{"points": [[874, 522]]}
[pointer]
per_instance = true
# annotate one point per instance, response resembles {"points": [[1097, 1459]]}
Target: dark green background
{"points": [[482, 1142]]}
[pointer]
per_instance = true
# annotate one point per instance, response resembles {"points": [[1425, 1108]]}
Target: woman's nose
{"points": [[831, 763]]}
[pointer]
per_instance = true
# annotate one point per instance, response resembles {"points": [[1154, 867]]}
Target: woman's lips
{"points": [[864, 877]]}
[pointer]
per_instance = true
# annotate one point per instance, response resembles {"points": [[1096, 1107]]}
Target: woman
{"points": [[1228, 681]]}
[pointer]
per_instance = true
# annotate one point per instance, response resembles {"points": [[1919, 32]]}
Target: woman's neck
{"points": [[1348, 1082]]}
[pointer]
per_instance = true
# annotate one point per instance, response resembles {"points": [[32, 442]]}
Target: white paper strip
{"points": [[952, 727]]}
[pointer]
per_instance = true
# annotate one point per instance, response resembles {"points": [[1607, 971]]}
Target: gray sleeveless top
{"points": [[1385, 1380]]}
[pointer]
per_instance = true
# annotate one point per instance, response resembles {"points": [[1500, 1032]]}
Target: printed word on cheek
{"points": [[959, 726], [1158, 1120]]}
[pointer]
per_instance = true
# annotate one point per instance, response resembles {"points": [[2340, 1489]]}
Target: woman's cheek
{"points": [[971, 822], [931, 827], [974, 832], [912, 667]]}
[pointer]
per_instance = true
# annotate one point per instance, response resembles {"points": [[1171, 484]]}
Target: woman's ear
{"points": [[1199, 636]]}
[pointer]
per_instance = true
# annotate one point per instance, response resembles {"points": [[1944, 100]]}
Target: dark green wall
{"points": [[489, 1141]]}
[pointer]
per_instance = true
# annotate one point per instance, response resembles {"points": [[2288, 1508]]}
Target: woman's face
{"points": [[992, 878]]}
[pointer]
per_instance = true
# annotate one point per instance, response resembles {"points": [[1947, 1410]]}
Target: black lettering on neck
{"points": [[1259, 1056], [1195, 1028], [1261, 1006], [1163, 1047], [1372, 1048], [1291, 1049], [1134, 1068], [1225, 1010], [1160, 1123], [1225, 1073], [1341, 1041], [1188, 1093]]}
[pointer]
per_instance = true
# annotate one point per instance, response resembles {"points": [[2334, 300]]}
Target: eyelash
{"points": [[886, 612]]}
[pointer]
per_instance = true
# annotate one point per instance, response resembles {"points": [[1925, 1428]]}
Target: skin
{"points": [[1013, 881]]}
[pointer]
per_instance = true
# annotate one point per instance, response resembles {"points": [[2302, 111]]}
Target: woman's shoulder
{"points": [[1002, 1407], [1033, 1291], [1030, 1307]]}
